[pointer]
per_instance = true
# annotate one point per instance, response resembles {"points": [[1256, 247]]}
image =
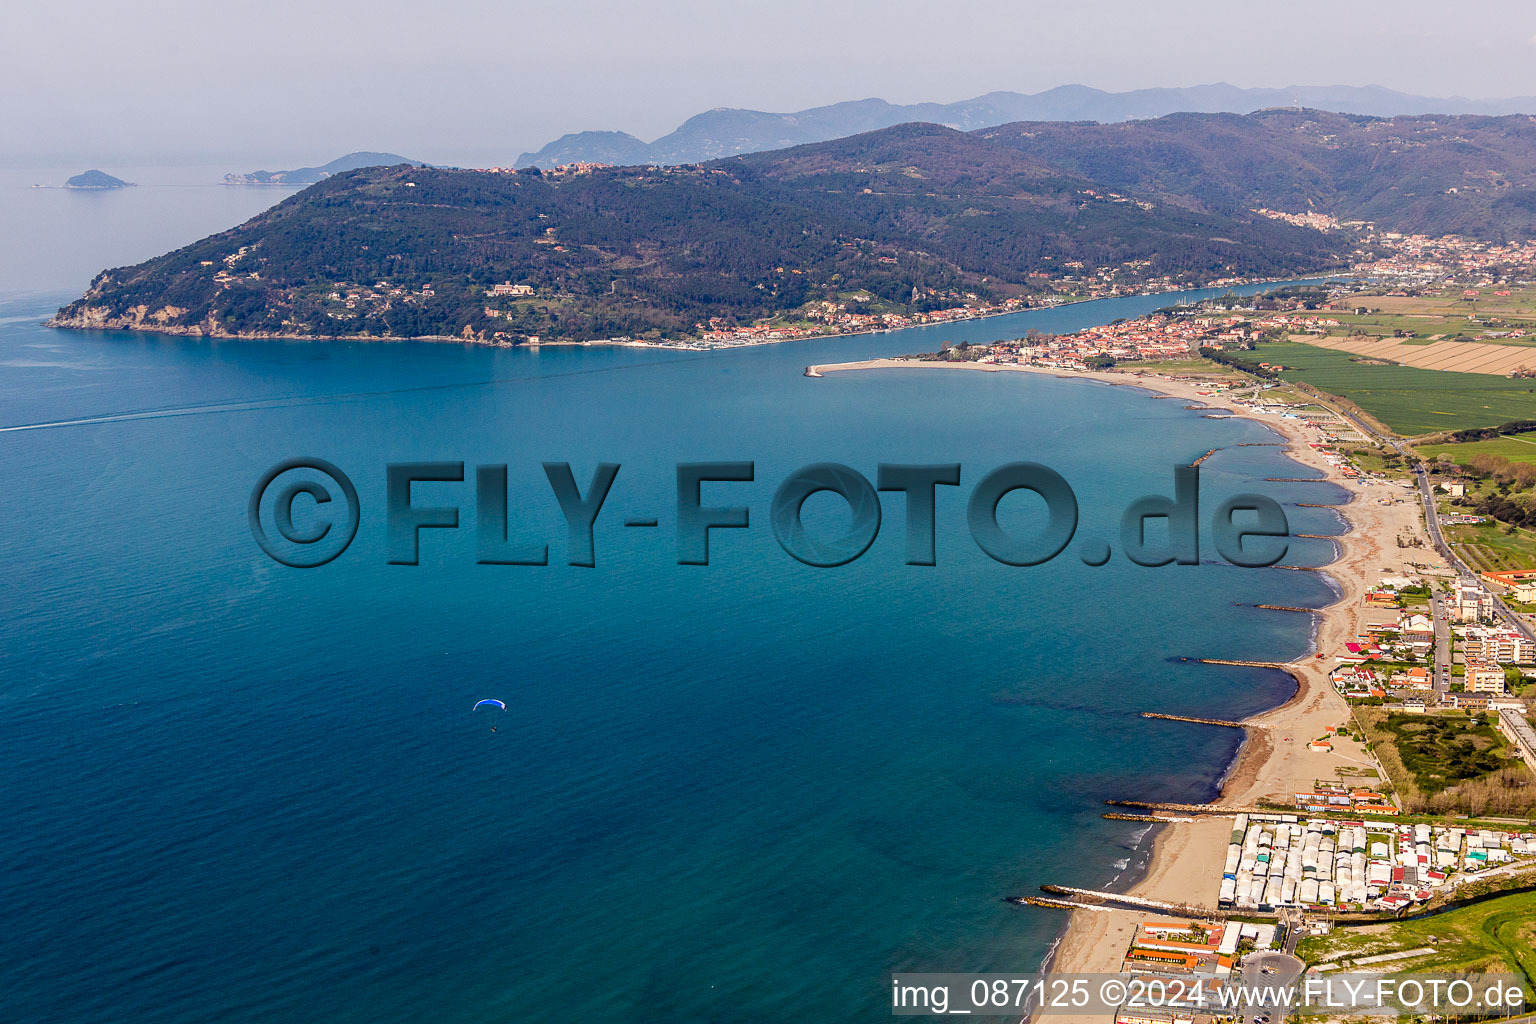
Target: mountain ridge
{"points": [[727, 131], [310, 175]]}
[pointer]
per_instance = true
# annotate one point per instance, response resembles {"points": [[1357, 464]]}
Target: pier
{"points": [[1286, 608]]}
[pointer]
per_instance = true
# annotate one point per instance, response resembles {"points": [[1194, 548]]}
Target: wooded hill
{"points": [[911, 217]]}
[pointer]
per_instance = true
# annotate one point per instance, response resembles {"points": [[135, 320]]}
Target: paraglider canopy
{"points": [[490, 711]]}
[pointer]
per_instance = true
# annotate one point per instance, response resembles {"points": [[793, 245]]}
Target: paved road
{"points": [[1432, 522], [1432, 519], [1271, 971], [1442, 619], [1524, 1018]]}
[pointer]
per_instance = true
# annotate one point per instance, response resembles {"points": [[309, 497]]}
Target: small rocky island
{"points": [[96, 179]]}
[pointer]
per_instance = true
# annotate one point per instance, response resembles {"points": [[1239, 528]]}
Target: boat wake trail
{"points": [[254, 405]]}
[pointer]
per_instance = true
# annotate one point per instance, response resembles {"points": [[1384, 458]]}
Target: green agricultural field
{"points": [[1421, 328], [1203, 367], [1514, 447], [1488, 548], [1497, 935], [1407, 399], [1517, 309]]}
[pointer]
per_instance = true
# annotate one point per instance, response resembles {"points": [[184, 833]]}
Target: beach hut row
{"points": [[1289, 863], [1275, 862]]}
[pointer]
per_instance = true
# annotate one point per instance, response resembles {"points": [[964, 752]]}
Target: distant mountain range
{"points": [[727, 132], [310, 175]]}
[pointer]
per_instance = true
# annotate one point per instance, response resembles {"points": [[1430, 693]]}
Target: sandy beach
{"points": [[1276, 759]]}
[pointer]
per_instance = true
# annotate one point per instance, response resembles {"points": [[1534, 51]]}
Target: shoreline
{"points": [[689, 345], [79, 323], [1185, 861]]}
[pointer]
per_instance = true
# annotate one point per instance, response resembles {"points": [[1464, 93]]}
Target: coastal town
{"points": [[1407, 264]]}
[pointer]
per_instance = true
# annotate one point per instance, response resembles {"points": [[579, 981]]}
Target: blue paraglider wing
{"points": [[491, 703]]}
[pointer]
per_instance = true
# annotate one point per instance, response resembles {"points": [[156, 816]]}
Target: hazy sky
{"points": [[278, 82]]}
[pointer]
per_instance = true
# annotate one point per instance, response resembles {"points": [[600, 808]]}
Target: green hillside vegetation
{"points": [[1407, 399], [1434, 175], [917, 216]]}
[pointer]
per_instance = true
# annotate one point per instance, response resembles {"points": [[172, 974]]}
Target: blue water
{"points": [[240, 792]]}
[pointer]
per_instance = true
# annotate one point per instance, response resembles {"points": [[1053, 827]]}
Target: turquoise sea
{"points": [[746, 791]]}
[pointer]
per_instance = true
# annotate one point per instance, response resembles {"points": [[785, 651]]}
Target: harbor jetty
{"points": [[1154, 805], [1239, 664], [1054, 904], [1094, 897], [1196, 721]]}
